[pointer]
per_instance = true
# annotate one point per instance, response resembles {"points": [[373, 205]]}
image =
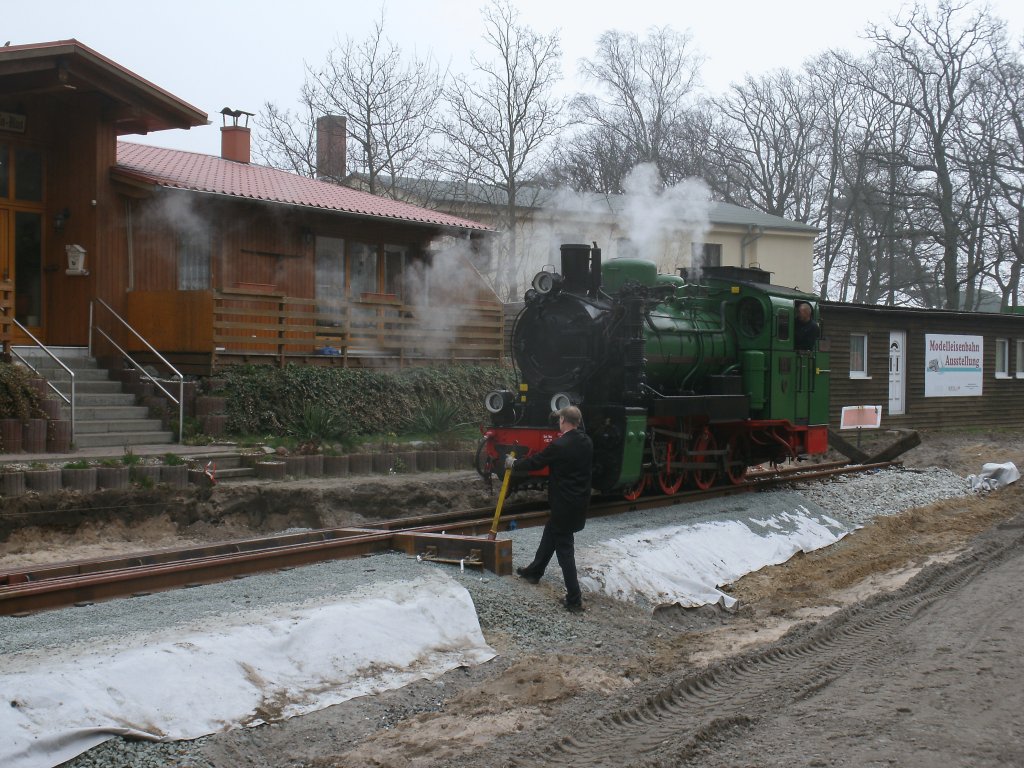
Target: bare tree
{"points": [[768, 141], [501, 120], [943, 59], [645, 88], [390, 103]]}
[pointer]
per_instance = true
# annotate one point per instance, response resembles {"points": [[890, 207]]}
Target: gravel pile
{"points": [[513, 614], [859, 498]]}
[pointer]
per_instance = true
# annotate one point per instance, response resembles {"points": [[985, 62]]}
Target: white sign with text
{"points": [[953, 365]]}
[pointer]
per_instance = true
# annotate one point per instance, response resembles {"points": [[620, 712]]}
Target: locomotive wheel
{"points": [[634, 492], [670, 480], [705, 478], [734, 472]]}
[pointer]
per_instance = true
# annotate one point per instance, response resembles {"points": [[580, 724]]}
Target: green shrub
{"points": [[316, 425], [18, 400], [440, 420], [269, 401]]}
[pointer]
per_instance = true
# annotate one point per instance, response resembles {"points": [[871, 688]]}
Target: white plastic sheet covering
{"points": [[685, 564], [217, 677], [993, 476]]}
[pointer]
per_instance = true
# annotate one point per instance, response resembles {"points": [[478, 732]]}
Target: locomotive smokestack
{"points": [[575, 267], [595, 271]]}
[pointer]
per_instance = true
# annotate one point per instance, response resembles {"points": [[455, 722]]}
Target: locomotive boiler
{"points": [[680, 380]]}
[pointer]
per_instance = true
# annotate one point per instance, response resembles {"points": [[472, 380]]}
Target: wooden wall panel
{"points": [[999, 405], [172, 321]]}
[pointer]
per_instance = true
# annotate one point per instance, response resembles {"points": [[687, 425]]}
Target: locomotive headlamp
{"points": [[547, 282], [499, 400], [560, 401]]}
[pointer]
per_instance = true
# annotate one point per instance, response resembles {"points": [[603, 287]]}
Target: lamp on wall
{"points": [[60, 218]]}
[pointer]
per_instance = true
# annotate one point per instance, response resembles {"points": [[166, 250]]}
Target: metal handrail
{"points": [[180, 399], [69, 400]]}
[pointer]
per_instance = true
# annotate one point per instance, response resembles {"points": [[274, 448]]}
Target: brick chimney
{"points": [[331, 137], [235, 138]]}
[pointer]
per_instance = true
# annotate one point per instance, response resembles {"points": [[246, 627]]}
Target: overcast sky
{"points": [[214, 53]]}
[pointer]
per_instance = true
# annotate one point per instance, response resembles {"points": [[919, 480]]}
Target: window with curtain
{"points": [[193, 261], [395, 262], [329, 272], [1002, 358], [362, 269], [858, 356]]}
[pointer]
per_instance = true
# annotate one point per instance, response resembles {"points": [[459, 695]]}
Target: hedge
{"points": [[263, 400]]}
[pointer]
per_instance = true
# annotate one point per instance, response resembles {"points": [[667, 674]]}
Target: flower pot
{"points": [[43, 480], [12, 483], [360, 464], [426, 461], [112, 477], [58, 436], [213, 424], [10, 434], [209, 405], [336, 466], [51, 407], [174, 475], [79, 479], [270, 470], [406, 460], [381, 463], [145, 474], [33, 436], [295, 466], [315, 465]]}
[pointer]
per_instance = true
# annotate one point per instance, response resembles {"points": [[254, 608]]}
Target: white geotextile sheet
{"points": [[241, 671], [994, 476], [685, 564]]}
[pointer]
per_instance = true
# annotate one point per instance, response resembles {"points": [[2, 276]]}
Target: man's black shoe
{"points": [[573, 607], [527, 576]]}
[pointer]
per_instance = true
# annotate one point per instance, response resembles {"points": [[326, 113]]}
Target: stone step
{"points": [[94, 427], [105, 439], [106, 412], [91, 400], [97, 387], [222, 460], [233, 473], [58, 375]]}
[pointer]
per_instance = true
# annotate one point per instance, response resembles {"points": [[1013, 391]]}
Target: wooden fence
{"points": [[377, 331]]}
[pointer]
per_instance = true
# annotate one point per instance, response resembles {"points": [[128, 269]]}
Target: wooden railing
{"points": [[6, 314], [378, 327]]}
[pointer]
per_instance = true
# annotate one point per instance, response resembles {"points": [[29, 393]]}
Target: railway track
{"points": [[456, 537]]}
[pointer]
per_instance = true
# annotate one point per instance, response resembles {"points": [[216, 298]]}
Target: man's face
{"points": [[804, 313]]}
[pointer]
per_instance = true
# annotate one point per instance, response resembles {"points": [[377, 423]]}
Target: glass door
{"points": [[21, 232], [28, 269]]}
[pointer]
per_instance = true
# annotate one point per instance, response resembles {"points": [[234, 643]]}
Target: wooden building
{"points": [[926, 368], [212, 260]]}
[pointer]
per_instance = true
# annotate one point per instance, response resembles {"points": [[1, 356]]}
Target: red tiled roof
{"points": [[206, 173]]}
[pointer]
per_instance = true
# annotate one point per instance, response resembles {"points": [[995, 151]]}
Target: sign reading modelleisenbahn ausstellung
{"points": [[953, 365]]}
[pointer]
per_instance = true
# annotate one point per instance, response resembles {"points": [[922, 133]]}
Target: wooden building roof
{"points": [[134, 105], [178, 169]]}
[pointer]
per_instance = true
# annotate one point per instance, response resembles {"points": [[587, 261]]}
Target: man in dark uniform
{"points": [[806, 329], [568, 458]]}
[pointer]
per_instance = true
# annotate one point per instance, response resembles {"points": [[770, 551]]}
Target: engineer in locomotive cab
{"points": [[568, 458], [806, 333]]}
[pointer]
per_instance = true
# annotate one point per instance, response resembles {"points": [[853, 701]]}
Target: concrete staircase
{"points": [[105, 415]]}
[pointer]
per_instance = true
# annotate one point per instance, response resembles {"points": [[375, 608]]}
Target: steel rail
{"points": [[447, 536]]}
